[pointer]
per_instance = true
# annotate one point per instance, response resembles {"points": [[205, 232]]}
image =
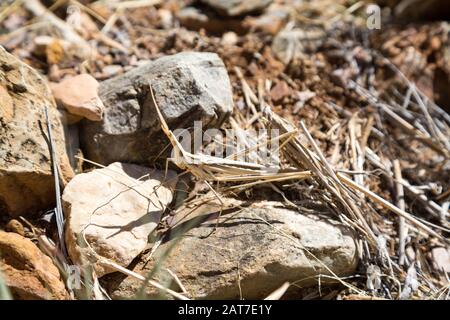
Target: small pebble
{"points": [[229, 39], [16, 227]]}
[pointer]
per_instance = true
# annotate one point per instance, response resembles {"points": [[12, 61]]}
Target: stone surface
{"points": [[229, 39], [280, 91], [26, 182], [15, 226], [262, 245], [188, 87], [79, 96], [441, 259], [116, 207], [272, 21], [28, 272], [237, 7]]}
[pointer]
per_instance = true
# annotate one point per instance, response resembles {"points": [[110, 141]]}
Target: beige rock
{"points": [[116, 207], [165, 18], [15, 226], [28, 272], [272, 21], [280, 91], [7, 104], [254, 250], [229, 39], [79, 96], [441, 259], [26, 182]]}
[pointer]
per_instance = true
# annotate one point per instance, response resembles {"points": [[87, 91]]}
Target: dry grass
{"points": [[347, 195]]}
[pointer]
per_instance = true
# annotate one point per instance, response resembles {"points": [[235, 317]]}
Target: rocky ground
{"points": [[100, 197]]}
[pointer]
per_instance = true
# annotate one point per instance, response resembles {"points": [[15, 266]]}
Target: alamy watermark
{"points": [[74, 16], [373, 21], [73, 280]]}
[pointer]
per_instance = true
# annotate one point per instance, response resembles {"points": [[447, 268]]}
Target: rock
{"points": [[441, 259], [55, 52], [29, 274], [26, 182], [79, 96], [342, 76], [15, 226], [233, 8], [117, 207], [261, 244], [165, 18], [188, 87], [280, 91], [271, 22], [7, 104], [111, 70], [294, 44], [51, 48], [229, 39], [303, 97]]}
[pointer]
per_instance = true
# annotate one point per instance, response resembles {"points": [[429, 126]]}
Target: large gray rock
{"points": [[188, 87], [237, 7], [114, 209], [26, 182], [259, 248]]}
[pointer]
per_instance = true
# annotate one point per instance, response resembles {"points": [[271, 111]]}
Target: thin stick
{"points": [[390, 206], [109, 264], [402, 227], [58, 209], [177, 280], [278, 293]]}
